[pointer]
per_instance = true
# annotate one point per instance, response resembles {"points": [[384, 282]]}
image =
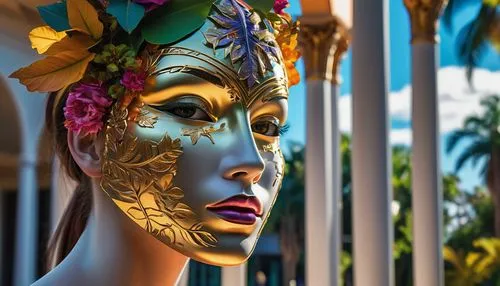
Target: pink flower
{"points": [[85, 108], [280, 5], [151, 4], [133, 81]]}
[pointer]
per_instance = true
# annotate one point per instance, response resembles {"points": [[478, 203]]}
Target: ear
{"points": [[86, 151]]}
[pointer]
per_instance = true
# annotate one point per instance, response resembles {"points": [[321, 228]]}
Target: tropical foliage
{"points": [[482, 30], [483, 137], [473, 267], [287, 218]]}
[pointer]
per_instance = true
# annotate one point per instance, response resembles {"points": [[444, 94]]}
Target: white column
{"points": [[323, 40], [31, 110], [426, 179], [428, 266], [372, 194], [234, 275], [27, 223]]}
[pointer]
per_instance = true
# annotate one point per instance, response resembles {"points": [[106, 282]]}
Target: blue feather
{"points": [[238, 30]]}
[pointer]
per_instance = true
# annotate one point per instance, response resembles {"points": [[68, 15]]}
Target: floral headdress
{"points": [[93, 49]]}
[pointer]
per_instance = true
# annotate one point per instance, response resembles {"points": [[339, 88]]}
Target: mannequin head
{"points": [[215, 168], [183, 138]]}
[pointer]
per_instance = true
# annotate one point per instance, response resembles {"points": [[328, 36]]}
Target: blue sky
{"points": [[400, 71]]}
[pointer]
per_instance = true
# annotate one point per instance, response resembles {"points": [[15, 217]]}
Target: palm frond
{"points": [[471, 40], [484, 169], [452, 8], [457, 136], [479, 148], [474, 123]]}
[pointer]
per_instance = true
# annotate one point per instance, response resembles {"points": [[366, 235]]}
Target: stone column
{"points": [[426, 179], [371, 183], [323, 41], [27, 223], [31, 113], [234, 275]]}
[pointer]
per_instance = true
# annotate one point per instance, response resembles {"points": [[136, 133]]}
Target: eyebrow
{"points": [[269, 90], [199, 72]]}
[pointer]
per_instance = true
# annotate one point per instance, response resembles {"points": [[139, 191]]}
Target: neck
{"points": [[114, 251]]}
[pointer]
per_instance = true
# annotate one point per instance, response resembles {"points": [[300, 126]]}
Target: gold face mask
{"points": [[197, 163]]}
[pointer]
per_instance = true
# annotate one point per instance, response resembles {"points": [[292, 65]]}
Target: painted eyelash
{"points": [[282, 130], [173, 105], [181, 104]]}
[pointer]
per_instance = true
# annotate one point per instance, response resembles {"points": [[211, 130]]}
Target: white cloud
{"points": [[456, 101]]}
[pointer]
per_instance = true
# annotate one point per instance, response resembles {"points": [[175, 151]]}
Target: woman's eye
{"points": [[188, 111], [266, 128]]}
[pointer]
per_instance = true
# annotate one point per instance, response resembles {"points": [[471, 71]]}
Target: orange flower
{"points": [[286, 37], [292, 73]]}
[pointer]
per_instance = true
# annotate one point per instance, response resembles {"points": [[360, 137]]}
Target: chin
{"points": [[231, 250]]}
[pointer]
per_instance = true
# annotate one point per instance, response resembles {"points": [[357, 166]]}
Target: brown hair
{"points": [[74, 218]]}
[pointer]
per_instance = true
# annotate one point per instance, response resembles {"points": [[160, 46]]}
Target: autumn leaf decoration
{"points": [[240, 32], [67, 51]]}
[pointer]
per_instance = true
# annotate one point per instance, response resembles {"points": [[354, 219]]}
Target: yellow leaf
{"points": [[42, 38], [451, 256], [75, 42], [54, 72], [84, 17]]}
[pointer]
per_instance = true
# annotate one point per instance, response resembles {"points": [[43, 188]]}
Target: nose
{"points": [[247, 172], [244, 162]]}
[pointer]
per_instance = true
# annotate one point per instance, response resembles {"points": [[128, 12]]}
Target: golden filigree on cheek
{"points": [[278, 160], [197, 133], [138, 175]]}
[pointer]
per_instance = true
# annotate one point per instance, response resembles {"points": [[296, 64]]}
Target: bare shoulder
{"points": [[60, 276], [45, 281], [54, 277]]}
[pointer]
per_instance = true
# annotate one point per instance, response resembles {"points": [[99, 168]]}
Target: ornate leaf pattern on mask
{"points": [[144, 119], [140, 173], [245, 39]]}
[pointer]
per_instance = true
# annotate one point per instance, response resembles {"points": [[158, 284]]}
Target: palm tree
{"points": [[483, 131], [475, 35]]}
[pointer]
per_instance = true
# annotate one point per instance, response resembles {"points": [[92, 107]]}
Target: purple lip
{"points": [[236, 216], [240, 209]]}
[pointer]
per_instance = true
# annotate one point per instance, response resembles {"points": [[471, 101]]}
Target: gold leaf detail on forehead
{"points": [[238, 92], [226, 77], [269, 89], [138, 175], [197, 133]]}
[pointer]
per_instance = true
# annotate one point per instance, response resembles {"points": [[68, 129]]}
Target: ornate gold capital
{"points": [[424, 16], [323, 42]]}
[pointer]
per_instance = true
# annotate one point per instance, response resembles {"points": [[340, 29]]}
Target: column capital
{"points": [[323, 41], [424, 16]]}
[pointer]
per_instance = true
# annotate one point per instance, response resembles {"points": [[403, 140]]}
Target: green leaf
{"points": [[128, 13], [56, 16], [273, 17], [135, 40], [262, 5], [175, 20]]}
